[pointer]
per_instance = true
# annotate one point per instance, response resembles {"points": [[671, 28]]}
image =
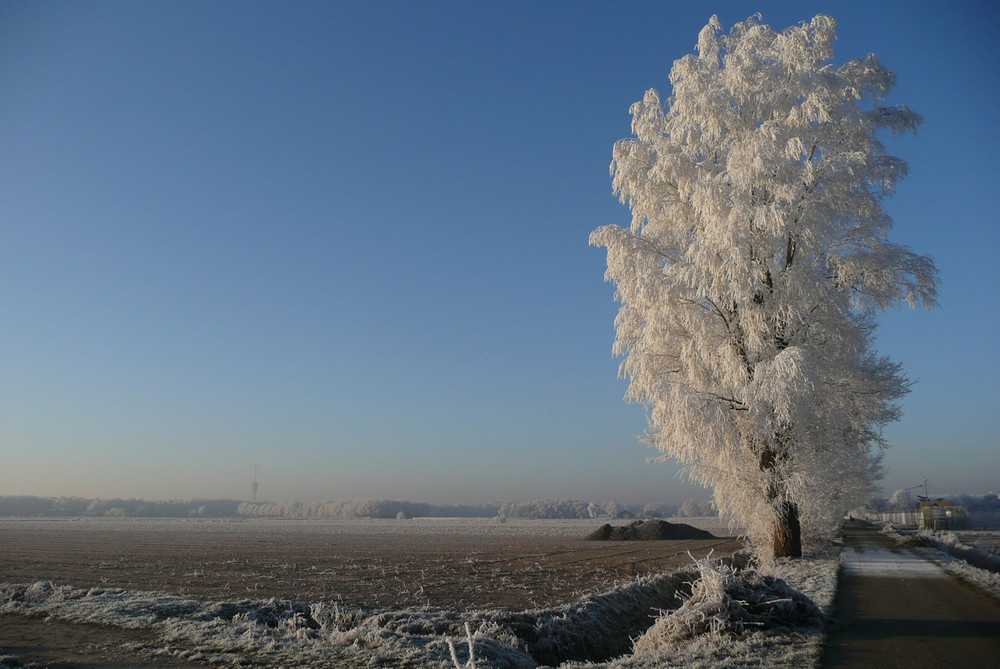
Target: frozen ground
{"points": [[976, 563], [598, 625], [987, 541], [793, 637], [458, 564], [477, 527], [280, 633], [971, 556]]}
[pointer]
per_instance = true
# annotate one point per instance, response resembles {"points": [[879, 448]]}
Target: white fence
{"points": [[928, 518]]}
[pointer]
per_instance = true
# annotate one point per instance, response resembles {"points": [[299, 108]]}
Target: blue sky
{"points": [[348, 242]]}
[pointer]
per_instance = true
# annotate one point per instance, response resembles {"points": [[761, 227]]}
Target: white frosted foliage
{"points": [[756, 259]]}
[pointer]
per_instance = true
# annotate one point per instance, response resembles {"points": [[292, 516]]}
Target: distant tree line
{"points": [[989, 502], [134, 508], [903, 499], [372, 508], [341, 509], [539, 508]]}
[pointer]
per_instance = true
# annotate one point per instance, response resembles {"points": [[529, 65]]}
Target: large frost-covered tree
{"points": [[751, 273]]}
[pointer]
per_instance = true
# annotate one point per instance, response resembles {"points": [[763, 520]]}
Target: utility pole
{"points": [[923, 519], [914, 487]]}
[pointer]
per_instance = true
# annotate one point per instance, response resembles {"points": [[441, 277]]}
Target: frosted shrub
{"points": [[471, 663], [725, 601], [38, 591], [332, 617]]}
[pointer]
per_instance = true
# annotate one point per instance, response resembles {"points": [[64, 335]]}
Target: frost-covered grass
{"points": [[968, 563], [972, 564], [987, 541], [281, 633], [735, 629], [596, 630]]}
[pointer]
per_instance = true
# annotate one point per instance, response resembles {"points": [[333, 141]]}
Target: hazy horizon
{"points": [[634, 504], [700, 494], [680, 492]]}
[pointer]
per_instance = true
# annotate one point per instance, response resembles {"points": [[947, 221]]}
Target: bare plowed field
{"points": [[384, 564]]}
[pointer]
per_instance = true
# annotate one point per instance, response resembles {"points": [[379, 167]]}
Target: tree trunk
{"points": [[788, 534]]}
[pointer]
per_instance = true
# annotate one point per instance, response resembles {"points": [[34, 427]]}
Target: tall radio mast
{"points": [[253, 488]]}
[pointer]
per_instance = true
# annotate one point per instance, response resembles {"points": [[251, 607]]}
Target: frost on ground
{"points": [[987, 541], [729, 618], [282, 633], [773, 617], [978, 567], [728, 602]]}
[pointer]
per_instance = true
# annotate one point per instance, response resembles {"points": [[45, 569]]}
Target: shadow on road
{"points": [[896, 609]]}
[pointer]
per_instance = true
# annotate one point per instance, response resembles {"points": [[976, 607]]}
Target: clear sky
{"points": [[347, 242]]}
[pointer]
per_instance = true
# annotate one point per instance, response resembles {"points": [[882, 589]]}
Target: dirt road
{"points": [[896, 609]]}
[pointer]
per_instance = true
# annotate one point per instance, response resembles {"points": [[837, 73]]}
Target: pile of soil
{"points": [[648, 530]]}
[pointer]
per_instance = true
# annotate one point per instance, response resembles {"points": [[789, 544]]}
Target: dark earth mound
{"points": [[648, 530]]}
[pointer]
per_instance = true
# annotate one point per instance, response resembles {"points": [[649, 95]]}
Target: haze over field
{"points": [[348, 242]]}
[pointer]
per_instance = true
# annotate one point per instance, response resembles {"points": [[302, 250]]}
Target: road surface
{"points": [[896, 609]]}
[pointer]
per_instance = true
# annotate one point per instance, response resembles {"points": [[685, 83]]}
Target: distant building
{"points": [[942, 515], [939, 514]]}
